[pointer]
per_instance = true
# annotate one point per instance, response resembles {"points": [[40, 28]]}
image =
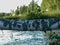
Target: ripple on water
{"points": [[22, 38]]}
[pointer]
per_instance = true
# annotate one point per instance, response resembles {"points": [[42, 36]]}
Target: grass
{"points": [[41, 15]]}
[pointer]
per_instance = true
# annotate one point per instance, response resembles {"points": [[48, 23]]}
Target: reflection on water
{"points": [[8, 37]]}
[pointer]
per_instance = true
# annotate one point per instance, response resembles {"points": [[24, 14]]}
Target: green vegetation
{"points": [[54, 37], [51, 8], [48, 9]]}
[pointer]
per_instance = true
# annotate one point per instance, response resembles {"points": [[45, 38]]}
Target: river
{"points": [[8, 37]]}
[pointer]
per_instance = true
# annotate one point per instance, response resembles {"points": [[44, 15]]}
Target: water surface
{"points": [[8, 37]]}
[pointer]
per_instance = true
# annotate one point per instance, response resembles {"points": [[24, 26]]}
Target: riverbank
{"points": [[54, 37]]}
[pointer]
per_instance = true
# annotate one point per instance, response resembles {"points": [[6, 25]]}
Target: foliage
{"points": [[17, 11], [48, 9], [11, 17], [23, 9], [50, 5], [23, 16]]}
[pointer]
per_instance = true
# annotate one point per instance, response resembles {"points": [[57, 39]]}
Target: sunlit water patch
{"points": [[8, 37]]}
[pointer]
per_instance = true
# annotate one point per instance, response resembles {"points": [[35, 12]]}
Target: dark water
{"points": [[34, 25], [22, 38]]}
